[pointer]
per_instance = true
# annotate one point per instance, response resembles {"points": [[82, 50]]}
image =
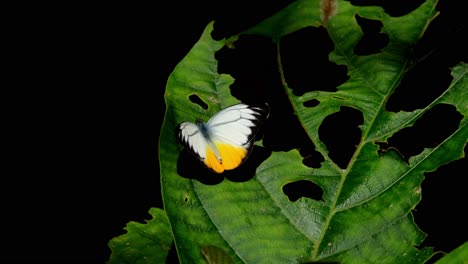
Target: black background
{"points": [[85, 104]]}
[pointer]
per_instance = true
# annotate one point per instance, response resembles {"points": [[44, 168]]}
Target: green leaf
{"points": [[143, 243], [459, 255], [365, 214]]}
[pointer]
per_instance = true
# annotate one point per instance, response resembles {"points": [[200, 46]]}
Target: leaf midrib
{"points": [[360, 145], [411, 169], [364, 138]]}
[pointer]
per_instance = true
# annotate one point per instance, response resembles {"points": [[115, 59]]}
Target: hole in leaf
{"points": [[444, 41], [311, 103], [394, 8], [197, 100], [304, 56], [444, 196], [441, 47], [428, 131], [449, 32], [340, 133], [279, 139], [372, 41], [312, 158], [303, 188], [172, 256], [252, 63], [276, 138], [420, 86]]}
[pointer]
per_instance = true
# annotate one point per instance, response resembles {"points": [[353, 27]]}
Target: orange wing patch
{"points": [[231, 157], [212, 162]]}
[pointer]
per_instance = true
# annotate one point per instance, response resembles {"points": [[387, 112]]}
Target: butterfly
{"points": [[225, 141]]}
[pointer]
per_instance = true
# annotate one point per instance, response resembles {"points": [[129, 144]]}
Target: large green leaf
{"points": [[365, 212]]}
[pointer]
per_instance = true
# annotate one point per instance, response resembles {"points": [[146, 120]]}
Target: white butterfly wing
{"points": [[236, 124], [192, 137]]}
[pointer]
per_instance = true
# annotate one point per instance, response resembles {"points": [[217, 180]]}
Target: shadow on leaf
{"points": [[188, 166]]}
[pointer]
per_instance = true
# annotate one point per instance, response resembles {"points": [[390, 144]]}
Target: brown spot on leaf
{"points": [[327, 10]]}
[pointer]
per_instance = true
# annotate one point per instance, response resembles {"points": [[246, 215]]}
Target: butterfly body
{"points": [[225, 141]]}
